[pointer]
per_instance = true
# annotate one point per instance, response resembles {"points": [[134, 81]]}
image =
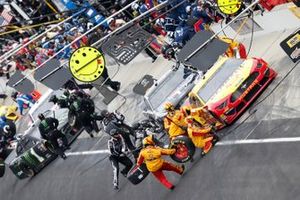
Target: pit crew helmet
{"points": [[41, 116], [14, 95], [169, 107], [148, 140]]}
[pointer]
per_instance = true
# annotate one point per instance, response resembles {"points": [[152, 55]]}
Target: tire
{"points": [[127, 129], [2, 168], [28, 172], [158, 126], [73, 121], [137, 175], [185, 149], [154, 125], [50, 147]]}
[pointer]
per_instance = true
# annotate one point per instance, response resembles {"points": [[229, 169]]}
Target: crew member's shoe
{"points": [[91, 135], [183, 168], [124, 174], [118, 85], [215, 140], [154, 59], [115, 85], [173, 187], [192, 159], [64, 156], [116, 187], [3, 96]]}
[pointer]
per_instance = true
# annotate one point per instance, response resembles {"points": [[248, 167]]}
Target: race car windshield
{"points": [[165, 89], [219, 78]]}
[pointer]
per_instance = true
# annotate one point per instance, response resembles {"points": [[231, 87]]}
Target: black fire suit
{"points": [[118, 150], [84, 110], [48, 131], [115, 121]]}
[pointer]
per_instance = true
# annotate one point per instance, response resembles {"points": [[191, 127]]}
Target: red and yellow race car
{"points": [[230, 86]]}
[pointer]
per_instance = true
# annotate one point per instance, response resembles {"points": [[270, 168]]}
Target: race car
{"points": [[32, 154], [230, 85], [9, 112], [172, 87]]}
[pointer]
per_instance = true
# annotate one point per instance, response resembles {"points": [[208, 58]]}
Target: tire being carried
{"points": [[138, 174], [185, 149]]}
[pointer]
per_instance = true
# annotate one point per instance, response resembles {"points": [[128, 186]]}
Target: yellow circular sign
{"points": [[229, 7], [87, 64]]}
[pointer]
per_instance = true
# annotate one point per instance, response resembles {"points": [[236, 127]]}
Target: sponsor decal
{"points": [[294, 40], [249, 89], [291, 46], [296, 53]]}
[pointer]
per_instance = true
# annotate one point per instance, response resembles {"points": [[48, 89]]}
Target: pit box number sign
{"points": [[291, 46]]}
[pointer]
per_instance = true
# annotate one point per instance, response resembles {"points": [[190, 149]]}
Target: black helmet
{"points": [[14, 95], [41, 116], [113, 132], [104, 113], [66, 93], [53, 99], [73, 97]]}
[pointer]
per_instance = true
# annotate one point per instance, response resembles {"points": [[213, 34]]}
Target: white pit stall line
{"points": [[103, 151], [222, 143], [258, 141]]}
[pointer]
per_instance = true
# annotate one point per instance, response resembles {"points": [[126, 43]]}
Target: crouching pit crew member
{"points": [[48, 130], [174, 122], [201, 135]]}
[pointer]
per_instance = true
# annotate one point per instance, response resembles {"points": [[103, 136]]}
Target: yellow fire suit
{"points": [[175, 124], [201, 137], [151, 155]]}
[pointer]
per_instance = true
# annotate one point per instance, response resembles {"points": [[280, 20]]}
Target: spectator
{"points": [[23, 100]]}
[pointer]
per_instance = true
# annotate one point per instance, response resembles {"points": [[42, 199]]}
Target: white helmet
{"points": [[160, 22], [135, 6], [188, 9], [6, 129], [110, 20]]}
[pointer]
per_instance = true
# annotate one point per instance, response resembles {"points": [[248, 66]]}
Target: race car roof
{"points": [[205, 57]]}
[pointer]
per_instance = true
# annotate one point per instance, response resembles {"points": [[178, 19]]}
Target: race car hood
{"points": [[222, 79], [233, 82]]}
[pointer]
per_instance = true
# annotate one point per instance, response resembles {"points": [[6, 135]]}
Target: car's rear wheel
{"points": [[28, 172], [50, 147]]}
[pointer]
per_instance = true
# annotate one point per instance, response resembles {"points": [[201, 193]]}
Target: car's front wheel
{"points": [[27, 171]]}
